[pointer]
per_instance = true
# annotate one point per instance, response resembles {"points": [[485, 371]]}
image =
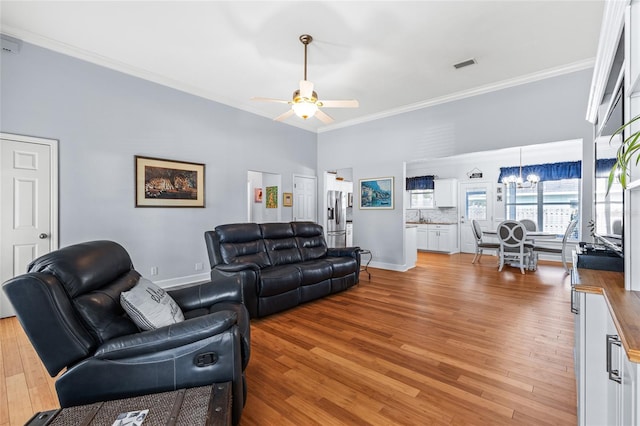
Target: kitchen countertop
{"points": [[624, 305]]}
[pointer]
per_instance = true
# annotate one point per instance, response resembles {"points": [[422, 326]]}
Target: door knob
{"points": [[43, 236]]}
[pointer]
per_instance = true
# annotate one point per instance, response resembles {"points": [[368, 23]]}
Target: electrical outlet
{"points": [[199, 266], [154, 270]]}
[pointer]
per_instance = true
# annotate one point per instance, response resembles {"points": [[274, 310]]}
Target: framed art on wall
{"points": [[287, 199], [257, 195], [168, 183], [272, 197], [376, 193]]}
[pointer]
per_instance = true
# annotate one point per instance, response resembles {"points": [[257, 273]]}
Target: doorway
{"points": [[29, 212], [476, 202], [304, 198]]}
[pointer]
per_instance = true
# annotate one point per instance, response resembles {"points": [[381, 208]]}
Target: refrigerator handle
{"points": [[337, 211]]}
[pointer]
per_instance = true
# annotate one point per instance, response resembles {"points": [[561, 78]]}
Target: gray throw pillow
{"points": [[149, 306]]}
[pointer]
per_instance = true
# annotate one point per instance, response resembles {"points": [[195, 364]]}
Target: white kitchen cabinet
{"points": [[607, 380], [349, 234], [442, 238], [445, 193], [421, 237]]}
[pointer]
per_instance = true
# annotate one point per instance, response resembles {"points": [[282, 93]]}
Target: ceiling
{"points": [[392, 56]]}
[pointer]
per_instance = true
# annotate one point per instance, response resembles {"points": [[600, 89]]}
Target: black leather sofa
{"points": [[280, 265], [69, 306]]}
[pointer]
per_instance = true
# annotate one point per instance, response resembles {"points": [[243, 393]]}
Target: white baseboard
{"points": [[180, 281]]}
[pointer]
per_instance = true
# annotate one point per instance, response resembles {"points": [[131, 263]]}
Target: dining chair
{"points": [[557, 250], [481, 245], [529, 225], [513, 246]]}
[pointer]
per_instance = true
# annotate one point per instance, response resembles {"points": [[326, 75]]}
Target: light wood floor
{"points": [[445, 343]]}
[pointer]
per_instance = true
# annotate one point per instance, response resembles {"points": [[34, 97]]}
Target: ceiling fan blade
{"points": [[258, 98], [284, 115], [350, 103], [306, 89], [322, 116]]}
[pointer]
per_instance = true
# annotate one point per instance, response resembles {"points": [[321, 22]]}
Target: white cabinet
{"points": [[422, 237], [445, 192], [349, 234], [442, 238], [411, 252], [607, 381]]}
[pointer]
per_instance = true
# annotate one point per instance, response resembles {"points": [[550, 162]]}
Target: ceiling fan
{"points": [[305, 102]]}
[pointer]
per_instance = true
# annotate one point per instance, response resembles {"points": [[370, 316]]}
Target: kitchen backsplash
{"points": [[445, 215]]}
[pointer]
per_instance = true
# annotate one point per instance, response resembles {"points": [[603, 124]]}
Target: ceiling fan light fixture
{"points": [[305, 108]]}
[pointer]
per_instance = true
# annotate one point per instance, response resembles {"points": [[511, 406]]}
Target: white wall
{"points": [[103, 118]]}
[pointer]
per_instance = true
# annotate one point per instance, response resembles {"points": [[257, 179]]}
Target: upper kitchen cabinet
{"points": [[445, 193]]}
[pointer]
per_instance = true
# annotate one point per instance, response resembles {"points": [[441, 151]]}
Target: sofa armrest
{"points": [[205, 295], [344, 251], [169, 337], [238, 266]]}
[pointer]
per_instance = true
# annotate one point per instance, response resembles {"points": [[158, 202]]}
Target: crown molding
{"points": [[504, 84]]}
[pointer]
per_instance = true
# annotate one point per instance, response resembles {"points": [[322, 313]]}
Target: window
{"points": [[609, 208], [552, 204], [421, 199]]}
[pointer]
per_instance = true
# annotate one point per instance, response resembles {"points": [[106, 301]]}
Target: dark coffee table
{"points": [[205, 405]]}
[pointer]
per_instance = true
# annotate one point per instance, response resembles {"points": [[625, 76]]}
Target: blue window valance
{"points": [[419, 182], [604, 166], [549, 171]]}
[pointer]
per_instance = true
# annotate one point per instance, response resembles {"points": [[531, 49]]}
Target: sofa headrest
{"points": [[84, 267], [238, 232], [276, 230], [307, 229]]}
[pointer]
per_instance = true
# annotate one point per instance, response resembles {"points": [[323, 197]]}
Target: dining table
{"points": [[531, 237]]}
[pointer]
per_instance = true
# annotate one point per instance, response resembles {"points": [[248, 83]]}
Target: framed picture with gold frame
{"points": [[287, 199], [168, 183]]}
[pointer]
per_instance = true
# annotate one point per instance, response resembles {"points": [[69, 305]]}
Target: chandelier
{"points": [[531, 182]]}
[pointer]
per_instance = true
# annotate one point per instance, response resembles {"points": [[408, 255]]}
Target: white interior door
{"points": [[28, 215], [304, 198], [476, 202]]}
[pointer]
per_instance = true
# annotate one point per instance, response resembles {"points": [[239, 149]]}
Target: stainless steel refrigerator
{"points": [[336, 219]]}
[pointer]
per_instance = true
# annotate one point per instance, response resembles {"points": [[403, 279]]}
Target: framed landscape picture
{"points": [[168, 183], [376, 193]]}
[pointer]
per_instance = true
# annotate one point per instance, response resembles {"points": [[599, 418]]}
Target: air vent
{"points": [[10, 46], [464, 63]]}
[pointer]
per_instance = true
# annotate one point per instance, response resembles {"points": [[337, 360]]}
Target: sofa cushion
{"points": [[150, 306], [310, 240], [280, 243], [242, 242], [314, 271], [101, 311], [84, 267], [342, 266], [278, 279]]}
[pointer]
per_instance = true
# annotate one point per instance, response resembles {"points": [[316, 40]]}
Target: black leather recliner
{"points": [[69, 306]]}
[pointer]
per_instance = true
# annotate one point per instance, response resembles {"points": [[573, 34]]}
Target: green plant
{"points": [[629, 149]]}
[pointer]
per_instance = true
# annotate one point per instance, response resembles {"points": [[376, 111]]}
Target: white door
{"points": [[476, 203], [28, 212], [304, 198]]}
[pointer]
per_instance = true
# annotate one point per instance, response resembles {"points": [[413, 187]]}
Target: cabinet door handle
{"points": [[574, 305], [614, 375]]}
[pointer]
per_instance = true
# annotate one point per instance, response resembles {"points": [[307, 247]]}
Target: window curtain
{"points": [[419, 182], [550, 171], [604, 166]]}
